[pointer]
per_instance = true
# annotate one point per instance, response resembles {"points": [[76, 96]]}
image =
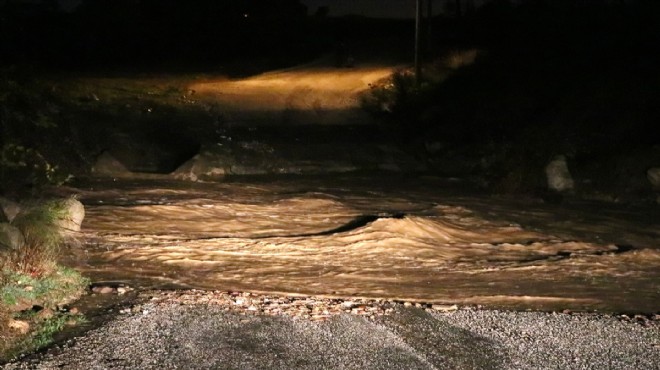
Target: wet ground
{"points": [[376, 235]]}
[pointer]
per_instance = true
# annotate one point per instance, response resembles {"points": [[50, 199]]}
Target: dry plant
{"points": [[43, 240]]}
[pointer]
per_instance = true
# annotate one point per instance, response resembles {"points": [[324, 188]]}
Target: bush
{"points": [[389, 96], [43, 240], [31, 142]]}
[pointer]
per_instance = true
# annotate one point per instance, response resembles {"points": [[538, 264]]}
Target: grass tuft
{"points": [[30, 276], [19, 293], [43, 240]]}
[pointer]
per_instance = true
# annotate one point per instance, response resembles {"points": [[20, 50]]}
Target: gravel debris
{"points": [[312, 308], [234, 330]]}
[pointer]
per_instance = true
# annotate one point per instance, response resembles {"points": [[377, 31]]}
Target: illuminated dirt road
{"points": [[417, 239], [317, 93]]}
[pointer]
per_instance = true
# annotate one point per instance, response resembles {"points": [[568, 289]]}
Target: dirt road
{"points": [[318, 93]]}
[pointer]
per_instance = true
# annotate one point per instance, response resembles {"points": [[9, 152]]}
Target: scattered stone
{"points": [[310, 308], [20, 326], [74, 310], [444, 307], [558, 176], [45, 314], [348, 304], [101, 289]]}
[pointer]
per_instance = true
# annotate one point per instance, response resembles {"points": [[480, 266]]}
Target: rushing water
{"points": [[418, 239]]}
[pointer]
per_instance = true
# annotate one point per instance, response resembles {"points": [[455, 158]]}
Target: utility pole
{"points": [[418, 43], [429, 27]]}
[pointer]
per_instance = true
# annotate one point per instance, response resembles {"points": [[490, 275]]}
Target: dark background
{"points": [[578, 78]]}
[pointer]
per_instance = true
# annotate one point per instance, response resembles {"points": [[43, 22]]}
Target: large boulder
{"points": [[107, 165], [10, 237], [73, 215], [558, 176], [202, 166], [653, 174], [155, 149], [8, 210]]}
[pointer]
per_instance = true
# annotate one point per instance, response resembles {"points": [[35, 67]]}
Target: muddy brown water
{"points": [[418, 239]]}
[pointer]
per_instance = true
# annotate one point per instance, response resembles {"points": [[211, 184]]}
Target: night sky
{"points": [[371, 8]]}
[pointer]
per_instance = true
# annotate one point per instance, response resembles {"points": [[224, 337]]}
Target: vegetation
{"points": [[549, 79], [32, 285], [36, 147]]}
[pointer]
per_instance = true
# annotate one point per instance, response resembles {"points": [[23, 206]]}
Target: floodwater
{"points": [[384, 236]]}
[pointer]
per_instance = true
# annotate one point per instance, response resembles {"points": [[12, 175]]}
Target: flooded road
{"points": [[379, 236]]}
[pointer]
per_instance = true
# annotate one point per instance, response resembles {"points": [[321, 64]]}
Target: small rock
{"points": [[641, 318], [348, 304], [407, 304], [45, 314], [20, 326], [103, 289], [444, 307], [74, 310]]}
